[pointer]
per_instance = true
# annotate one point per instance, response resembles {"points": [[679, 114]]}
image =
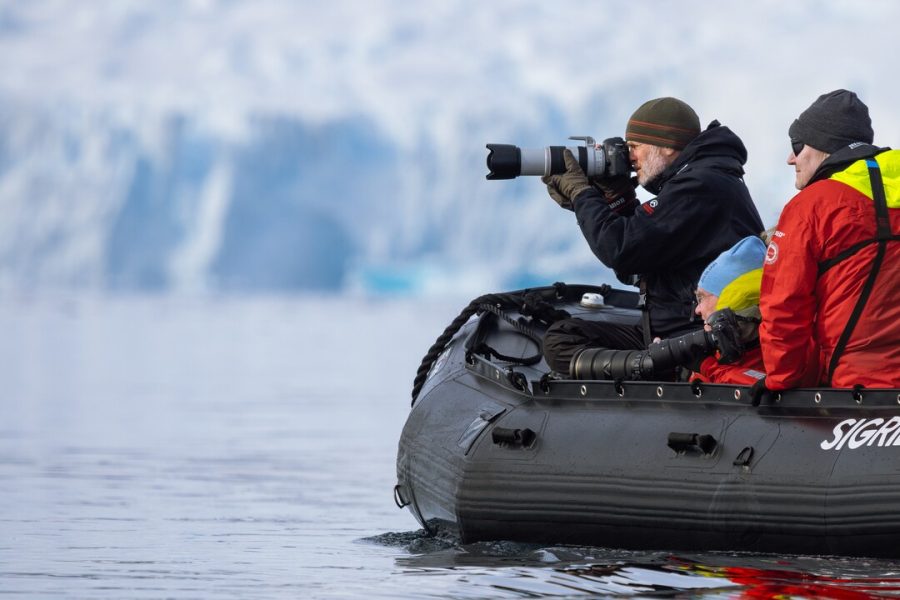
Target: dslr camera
{"points": [[599, 161]]}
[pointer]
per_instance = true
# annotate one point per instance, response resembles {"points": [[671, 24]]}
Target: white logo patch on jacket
{"points": [[771, 253]]}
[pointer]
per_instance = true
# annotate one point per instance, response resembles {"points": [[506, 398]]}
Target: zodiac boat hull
{"points": [[497, 450]]}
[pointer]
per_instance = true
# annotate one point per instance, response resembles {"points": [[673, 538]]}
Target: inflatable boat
{"points": [[497, 448]]}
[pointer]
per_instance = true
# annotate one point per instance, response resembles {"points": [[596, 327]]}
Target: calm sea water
{"points": [[245, 447]]}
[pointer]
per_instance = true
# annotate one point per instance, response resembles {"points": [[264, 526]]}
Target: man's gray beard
{"points": [[653, 166]]}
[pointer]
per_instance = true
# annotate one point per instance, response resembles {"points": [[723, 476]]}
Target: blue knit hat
{"points": [[741, 259]]}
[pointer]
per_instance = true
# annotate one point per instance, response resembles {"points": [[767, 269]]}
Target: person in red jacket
{"points": [[831, 278], [732, 281]]}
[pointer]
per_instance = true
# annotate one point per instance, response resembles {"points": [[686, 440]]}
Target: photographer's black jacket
{"points": [[702, 207]]}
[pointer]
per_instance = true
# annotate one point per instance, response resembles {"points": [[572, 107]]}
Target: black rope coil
{"points": [[438, 346], [538, 304]]}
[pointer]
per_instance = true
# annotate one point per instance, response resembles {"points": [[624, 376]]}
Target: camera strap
{"points": [[882, 236], [645, 311]]}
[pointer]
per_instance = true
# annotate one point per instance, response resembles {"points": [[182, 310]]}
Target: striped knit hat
{"points": [[666, 122]]}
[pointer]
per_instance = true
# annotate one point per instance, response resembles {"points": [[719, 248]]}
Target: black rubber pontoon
{"points": [[495, 449]]}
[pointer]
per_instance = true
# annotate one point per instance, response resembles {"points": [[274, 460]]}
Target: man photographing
{"points": [[701, 208]]}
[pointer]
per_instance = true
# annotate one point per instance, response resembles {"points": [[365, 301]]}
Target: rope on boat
{"points": [[534, 303]]}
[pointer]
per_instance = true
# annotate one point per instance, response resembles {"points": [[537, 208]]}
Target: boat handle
{"points": [[681, 442], [513, 437], [398, 497], [744, 457]]}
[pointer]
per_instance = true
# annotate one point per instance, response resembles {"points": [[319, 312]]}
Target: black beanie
{"points": [[666, 122], [834, 120]]}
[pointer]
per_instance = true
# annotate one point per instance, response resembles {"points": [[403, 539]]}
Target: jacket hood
{"points": [[717, 147]]}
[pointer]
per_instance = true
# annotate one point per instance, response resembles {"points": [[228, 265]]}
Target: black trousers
{"points": [[564, 338]]}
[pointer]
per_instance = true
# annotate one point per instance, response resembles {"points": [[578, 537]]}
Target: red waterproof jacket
{"points": [[806, 302], [744, 372]]}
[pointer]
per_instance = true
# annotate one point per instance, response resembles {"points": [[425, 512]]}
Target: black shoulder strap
{"points": [[842, 256], [882, 235], [645, 311]]}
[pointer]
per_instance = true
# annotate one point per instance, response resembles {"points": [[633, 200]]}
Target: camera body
{"points": [[726, 335], [600, 161]]}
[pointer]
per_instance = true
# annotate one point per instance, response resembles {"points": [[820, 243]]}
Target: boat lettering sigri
{"points": [[864, 432]]}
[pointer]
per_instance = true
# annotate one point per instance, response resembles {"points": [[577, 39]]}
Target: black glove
{"points": [[758, 391], [619, 193], [566, 187]]}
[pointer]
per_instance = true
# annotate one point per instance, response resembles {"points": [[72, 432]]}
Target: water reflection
{"points": [[165, 449], [507, 569]]}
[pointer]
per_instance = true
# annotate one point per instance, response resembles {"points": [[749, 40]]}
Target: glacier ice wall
{"points": [[214, 145]]}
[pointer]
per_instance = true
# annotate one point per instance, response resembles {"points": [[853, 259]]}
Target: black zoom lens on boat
{"points": [[663, 356], [632, 365], [609, 159]]}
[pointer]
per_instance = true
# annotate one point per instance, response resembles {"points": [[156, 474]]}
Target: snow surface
{"points": [[213, 145]]}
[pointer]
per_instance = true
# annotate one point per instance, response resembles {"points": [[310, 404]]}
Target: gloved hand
{"points": [[555, 192], [758, 391], [566, 187], [619, 193]]}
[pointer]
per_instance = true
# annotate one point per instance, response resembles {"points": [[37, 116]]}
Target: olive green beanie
{"points": [[666, 122]]}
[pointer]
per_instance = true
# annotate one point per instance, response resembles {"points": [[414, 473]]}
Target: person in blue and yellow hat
{"points": [[728, 302], [732, 281]]}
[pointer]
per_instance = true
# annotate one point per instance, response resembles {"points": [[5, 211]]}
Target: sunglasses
{"points": [[797, 147]]}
